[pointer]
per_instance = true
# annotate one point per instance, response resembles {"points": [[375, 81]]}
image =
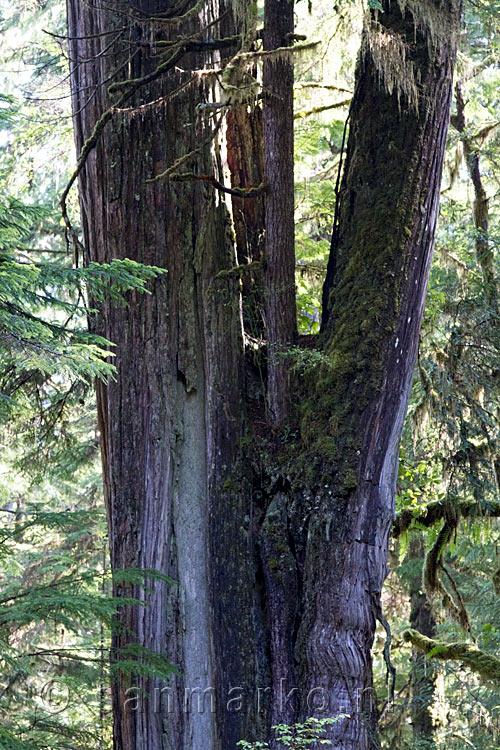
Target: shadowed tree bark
{"points": [[276, 537]]}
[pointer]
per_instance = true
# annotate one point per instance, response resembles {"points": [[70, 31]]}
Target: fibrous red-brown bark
{"points": [[281, 319], [171, 420]]}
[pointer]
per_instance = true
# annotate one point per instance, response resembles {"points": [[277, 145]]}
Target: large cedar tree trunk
{"points": [[276, 538], [170, 422]]}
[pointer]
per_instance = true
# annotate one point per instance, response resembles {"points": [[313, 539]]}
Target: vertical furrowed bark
{"points": [[171, 420], [246, 163], [281, 323], [245, 158], [282, 587]]}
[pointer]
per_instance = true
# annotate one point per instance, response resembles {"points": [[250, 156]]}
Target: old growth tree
{"points": [[255, 470]]}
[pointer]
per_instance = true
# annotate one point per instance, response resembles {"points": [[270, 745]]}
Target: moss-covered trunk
{"points": [[373, 301]]}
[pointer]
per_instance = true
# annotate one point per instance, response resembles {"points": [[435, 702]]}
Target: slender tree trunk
{"points": [[281, 318], [277, 539], [245, 155], [484, 252], [423, 674]]}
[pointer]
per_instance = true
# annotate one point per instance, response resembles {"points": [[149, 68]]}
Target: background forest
{"points": [[56, 610]]}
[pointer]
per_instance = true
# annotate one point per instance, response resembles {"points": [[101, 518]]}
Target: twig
{"points": [[391, 669], [253, 192], [323, 108]]}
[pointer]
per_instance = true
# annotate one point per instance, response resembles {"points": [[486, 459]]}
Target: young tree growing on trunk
{"points": [[268, 503]]}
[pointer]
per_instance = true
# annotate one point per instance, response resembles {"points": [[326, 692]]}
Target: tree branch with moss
{"points": [[486, 665]]}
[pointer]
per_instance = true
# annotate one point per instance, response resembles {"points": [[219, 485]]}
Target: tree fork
{"points": [[310, 551]]}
